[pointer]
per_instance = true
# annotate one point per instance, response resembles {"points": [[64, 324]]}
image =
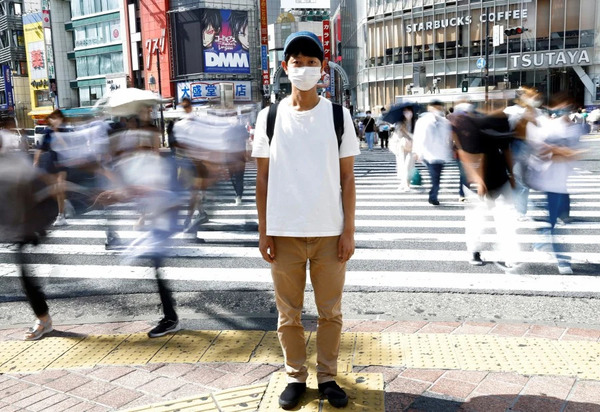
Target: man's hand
{"points": [[346, 246], [266, 247]]}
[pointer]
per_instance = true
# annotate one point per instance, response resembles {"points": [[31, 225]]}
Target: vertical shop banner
{"points": [[225, 41], [264, 45], [327, 56], [8, 86], [46, 19]]}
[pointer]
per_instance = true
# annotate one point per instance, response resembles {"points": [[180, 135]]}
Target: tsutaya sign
{"points": [[466, 20], [559, 58]]}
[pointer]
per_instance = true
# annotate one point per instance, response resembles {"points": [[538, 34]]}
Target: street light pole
{"points": [[487, 58], [162, 117]]}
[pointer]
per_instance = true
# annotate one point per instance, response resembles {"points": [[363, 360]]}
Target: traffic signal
{"points": [[514, 31], [465, 86]]}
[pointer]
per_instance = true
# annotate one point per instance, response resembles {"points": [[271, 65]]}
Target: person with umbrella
{"points": [[401, 142]]}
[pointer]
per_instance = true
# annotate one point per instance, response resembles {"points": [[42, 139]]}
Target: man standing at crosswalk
{"points": [[305, 196]]}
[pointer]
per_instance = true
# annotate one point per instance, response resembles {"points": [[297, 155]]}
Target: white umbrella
{"points": [[127, 102], [594, 116]]}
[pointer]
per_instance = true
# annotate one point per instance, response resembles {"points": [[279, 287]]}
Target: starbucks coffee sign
{"points": [[548, 59], [497, 17]]}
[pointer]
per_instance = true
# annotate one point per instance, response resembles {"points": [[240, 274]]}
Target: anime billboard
{"points": [[225, 41]]}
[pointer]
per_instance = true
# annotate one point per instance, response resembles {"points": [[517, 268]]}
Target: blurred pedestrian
{"points": [[46, 159], [369, 130], [483, 149], [433, 144], [401, 144], [383, 129], [525, 110], [305, 196], [139, 174], [555, 148], [23, 221]]}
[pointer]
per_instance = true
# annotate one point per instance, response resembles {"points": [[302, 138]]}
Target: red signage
{"points": [[326, 40], [264, 44]]}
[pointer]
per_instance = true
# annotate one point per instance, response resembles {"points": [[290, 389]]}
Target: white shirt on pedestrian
{"points": [[432, 139], [304, 197]]}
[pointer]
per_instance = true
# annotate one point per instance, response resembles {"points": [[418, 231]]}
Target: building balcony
{"points": [[10, 22], [11, 54]]}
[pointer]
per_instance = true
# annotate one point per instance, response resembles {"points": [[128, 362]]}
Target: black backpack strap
{"points": [[338, 121], [271, 116]]}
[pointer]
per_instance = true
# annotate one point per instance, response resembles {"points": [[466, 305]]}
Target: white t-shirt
{"points": [[304, 197]]}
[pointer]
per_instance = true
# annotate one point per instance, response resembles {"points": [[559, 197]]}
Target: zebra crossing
{"points": [[401, 240]]}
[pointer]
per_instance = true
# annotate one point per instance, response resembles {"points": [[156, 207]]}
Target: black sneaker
{"points": [[164, 326], [291, 395], [476, 259], [334, 394], [434, 202]]}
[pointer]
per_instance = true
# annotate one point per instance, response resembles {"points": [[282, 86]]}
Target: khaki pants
{"points": [[327, 275]]}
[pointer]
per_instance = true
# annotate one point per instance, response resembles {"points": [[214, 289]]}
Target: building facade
{"points": [[425, 49], [100, 47], [212, 43], [14, 85]]}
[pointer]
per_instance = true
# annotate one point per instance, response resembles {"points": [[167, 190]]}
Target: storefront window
{"points": [[84, 7]]}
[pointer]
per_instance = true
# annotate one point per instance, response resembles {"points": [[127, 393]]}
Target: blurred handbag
{"points": [[416, 179]]}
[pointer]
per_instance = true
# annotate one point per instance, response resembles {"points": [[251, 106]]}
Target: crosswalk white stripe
{"points": [[399, 279], [420, 255], [362, 223], [431, 211], [364, 237]]}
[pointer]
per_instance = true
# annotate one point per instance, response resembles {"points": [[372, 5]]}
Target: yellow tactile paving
{"points": [[242, 399], [10, 349], [365, 393], [584, 359], [186, 347], [373, 348], [137, 349], [39, 355], [527, 356], [233, 346], [429, 351], [310, 400], [88, 352], [480, 353]]}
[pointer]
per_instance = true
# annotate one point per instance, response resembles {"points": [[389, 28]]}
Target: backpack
{"points": [[338, 121]]}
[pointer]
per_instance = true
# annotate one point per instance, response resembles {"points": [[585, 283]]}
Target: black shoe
{"points": [[164, 326], [434, 202], [112, 241], [334, 394], [291, 395], [476, 259]]}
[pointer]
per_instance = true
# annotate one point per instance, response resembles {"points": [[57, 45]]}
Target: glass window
{"points": [[17, 11], [84, 96], [93, 64], [117, 62], [105, 63]]}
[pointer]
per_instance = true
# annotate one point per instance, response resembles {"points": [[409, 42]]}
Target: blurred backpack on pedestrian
{"points": [[29, 207]]}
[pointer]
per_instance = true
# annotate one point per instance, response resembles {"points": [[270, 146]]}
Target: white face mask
{"points": [[304, 78], [531, 102]]}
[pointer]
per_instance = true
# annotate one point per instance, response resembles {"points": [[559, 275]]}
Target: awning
{"points": [[80, 112], [41, 111]]}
